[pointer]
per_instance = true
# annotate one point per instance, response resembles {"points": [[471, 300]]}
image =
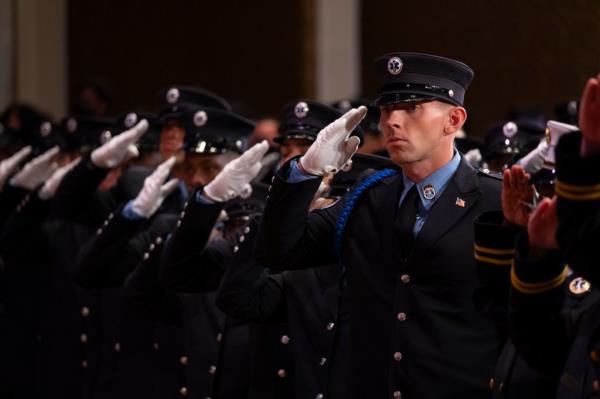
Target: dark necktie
{"points": [[407, 216]]}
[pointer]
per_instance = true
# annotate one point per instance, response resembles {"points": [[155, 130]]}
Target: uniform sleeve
{"points": [[578, 191], [494, 251], [289, 236], [189, 262], [248, 291], [537, 324]]}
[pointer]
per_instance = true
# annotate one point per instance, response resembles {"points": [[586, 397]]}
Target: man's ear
{"points": [[457, 116]]}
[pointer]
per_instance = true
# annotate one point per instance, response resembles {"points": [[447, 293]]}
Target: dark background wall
{"points": [[258, 55], [523, 52], [262, 54]]}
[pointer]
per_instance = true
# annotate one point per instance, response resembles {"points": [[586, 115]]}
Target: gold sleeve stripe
{"points": [[501, 262], [537, 288], [592, 196], [494, 251], [577, 188]]}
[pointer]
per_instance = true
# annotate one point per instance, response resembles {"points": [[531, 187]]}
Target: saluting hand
{"points": [[589, 117], [517, 191], [119, 148], [36, 171], [155, 190], [234, 180], [10, 164], [51, 185], [334, 147], [542, 226]]}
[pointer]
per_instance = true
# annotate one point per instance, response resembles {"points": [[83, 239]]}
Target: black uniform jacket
{"points": [[415, 330]]}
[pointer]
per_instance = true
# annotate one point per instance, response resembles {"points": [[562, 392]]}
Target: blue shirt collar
{"points": [[431, 188]]}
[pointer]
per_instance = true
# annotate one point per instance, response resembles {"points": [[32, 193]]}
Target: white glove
{"points": [[119, 148], [334, 147], [473, 157], [10, 164], [234, 179], [534, 161], [51, 185], [36, 171], [155, 190]]}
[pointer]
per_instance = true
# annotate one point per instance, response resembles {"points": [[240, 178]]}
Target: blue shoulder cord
{"points": [[351, 201]]}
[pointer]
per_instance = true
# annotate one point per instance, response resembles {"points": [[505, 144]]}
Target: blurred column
{"points": [[40, 66], [6, 52], [337, 49]]}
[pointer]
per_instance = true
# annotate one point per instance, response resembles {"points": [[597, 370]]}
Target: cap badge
{"points": [[130, 119], [548, 135], [579, 286], [71, 125], [460, 202], [45, 129], [395, 65], [200, 118], [451, 93], [301, 109], [428, 192], [510, 129], [172, 95], [105, 137]]}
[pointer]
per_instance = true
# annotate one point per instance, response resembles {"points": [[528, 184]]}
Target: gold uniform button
{"points": [[594, 356]]}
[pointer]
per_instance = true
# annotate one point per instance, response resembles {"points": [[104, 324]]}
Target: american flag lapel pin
{"points": [[460, 202]]}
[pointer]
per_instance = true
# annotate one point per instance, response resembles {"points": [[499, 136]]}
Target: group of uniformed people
{"points": [[362, 249]]}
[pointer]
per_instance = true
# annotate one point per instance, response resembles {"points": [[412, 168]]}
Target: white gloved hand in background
{"points": [[155, 190], [334, 147], [51, 185], [234, 179], [10, 164], [534, 160], [119, 148], [36, 171]]}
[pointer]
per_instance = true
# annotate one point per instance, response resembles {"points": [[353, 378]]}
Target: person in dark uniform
{"points": [[563, 229], [404, 234]]}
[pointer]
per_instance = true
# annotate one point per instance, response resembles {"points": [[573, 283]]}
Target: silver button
{"points": [[330, 326], [183, 391], [146, 255], [84, 364], [235, 249], [117, 347], [83, 338], [99, 231], [285, 339], [319, 396], [158, 240], [151, 248], [212, 369], [397, 356], [397, 395], [405, 278], [110, 216], [281, 373], [322, 361], [105, 223], [178, 223], [156, 346], [85, 311], [402, 316], [242, 238], [219, 337], [246, 230], [183, 360], [182, 214], [185, 205]]}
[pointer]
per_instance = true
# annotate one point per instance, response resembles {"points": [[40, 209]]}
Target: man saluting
{"points": [[404, 233]]}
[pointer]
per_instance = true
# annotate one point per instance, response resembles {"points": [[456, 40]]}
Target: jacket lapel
{"points": [[459, 196]]}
